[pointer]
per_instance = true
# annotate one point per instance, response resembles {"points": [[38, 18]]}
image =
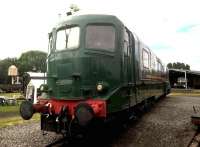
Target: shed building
{"points": [[184, 78]]}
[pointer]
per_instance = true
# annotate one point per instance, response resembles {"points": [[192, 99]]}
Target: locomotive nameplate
{"points": [[64, 82]]}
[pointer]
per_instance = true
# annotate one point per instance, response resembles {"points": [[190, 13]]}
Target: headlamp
{"points": [[102, 87], [99, 87]]}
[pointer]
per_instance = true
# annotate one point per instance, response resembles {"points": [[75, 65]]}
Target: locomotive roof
{"points": [[89, 18], [78, 19]]}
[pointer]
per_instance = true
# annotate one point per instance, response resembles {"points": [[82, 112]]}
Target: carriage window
{"points": [[68, 38], [100, 37], [159, 66], [153, 62], [126, 43], [145, 56]]}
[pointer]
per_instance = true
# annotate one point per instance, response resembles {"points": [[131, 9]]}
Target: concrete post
{"points": [[12, 79], [185, 79]]}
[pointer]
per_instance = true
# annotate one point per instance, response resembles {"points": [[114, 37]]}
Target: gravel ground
{"points": [[166, 125], [28, 135]]}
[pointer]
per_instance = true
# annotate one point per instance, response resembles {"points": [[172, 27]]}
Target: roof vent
{"points": [[69, 13]]}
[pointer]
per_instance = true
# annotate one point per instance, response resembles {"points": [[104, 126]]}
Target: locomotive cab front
{"points": [[83, 59]]}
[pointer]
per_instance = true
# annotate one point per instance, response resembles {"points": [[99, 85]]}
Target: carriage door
{"points": [[126, 59]]}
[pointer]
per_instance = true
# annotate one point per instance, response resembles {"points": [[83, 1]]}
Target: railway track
{"points": [[76, 143], [91, 140], [59, 142], [195, 142], [72, 142], [108, 134]]}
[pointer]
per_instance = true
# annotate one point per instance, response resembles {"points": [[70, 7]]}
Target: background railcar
{"points": [[97, 69]]}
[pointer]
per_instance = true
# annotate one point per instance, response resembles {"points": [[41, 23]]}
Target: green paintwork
{"points": [[74, 74], [91, 66]]}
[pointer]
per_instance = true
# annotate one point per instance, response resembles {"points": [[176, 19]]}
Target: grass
{"points": [[11, 95], [8, 109], [9, 115], [16, 120], [185, 92]]}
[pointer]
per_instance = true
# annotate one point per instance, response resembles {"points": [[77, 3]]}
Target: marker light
{"points": [[99, 87]]}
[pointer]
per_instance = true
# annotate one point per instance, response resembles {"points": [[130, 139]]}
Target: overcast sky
{"points": [[171, 28]]}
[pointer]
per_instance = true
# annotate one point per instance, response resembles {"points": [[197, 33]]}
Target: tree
{"points": [[28, 61], [187, 66], [178, 65], [169, 65], [32, 61], [4, 65]]}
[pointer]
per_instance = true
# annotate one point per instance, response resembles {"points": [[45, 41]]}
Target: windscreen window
{"points": [[68, 38], [100, 37], [50, 46]]}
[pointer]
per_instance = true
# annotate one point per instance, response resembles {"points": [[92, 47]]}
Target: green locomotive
{"points": [[96, 69]]}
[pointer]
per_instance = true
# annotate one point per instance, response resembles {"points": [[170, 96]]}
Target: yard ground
{"points": [[167, 124]]}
